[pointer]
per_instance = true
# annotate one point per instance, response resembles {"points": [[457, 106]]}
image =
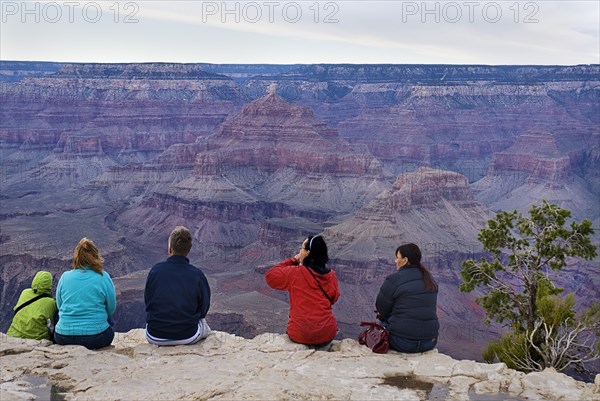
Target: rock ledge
{"points": [[227, 367]]}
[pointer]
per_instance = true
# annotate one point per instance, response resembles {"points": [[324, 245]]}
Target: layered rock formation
{"points": [[55, 115], [119, 82], [272, 160], [446, 117], [273, 368], [539, 167], [536, 154], [456, 129], [429, 207]]}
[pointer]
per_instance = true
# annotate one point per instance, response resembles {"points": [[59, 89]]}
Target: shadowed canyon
{"points": [[252, 158]]}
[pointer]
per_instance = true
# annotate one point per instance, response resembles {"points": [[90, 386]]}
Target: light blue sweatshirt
{"points": [[85, 301]]}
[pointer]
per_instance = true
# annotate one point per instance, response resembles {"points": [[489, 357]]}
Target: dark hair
{"points": [[413, 254], [180, 241], [318, 252]]}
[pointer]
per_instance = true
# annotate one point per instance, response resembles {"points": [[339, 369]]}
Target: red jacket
{"points": [[311, 317]]}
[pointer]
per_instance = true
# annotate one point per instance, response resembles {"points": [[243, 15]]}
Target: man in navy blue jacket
{"points": [[177, 296]]}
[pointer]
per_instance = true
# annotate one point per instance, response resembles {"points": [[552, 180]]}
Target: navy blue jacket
{"points": [[177, 296], [406, 306]]}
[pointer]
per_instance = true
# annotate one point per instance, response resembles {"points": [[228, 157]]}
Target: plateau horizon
{"points": [[240, 94]]}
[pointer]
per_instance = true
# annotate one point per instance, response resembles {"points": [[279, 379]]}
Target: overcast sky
{"points": [[285, 32]]}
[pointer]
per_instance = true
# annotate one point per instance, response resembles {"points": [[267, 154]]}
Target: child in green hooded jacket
{"points": [[36, 319]]}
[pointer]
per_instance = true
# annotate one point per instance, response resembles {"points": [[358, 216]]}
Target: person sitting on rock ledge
{"points": [[407, 301], [177, 296], [35, 312], [313, 289], [86, 300]]}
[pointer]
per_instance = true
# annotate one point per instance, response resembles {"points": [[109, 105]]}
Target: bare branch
{"points": [[560, 348]]}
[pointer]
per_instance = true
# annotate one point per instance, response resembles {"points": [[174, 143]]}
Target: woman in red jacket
{"points": [[313, 290]]}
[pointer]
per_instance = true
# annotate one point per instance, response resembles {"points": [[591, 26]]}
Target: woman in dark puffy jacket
{"points": [[407, 303], [313, 289]]}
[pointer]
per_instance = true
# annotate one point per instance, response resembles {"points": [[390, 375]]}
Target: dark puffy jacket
{"points": [[177, 296], [406, 306]]}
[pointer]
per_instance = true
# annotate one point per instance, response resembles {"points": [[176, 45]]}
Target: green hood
{"points": [[42, 283]]}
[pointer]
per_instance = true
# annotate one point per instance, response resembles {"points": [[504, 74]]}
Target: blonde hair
{"points": [[87, 255]]}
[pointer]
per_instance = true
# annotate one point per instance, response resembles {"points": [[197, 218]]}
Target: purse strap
{"points": [[319, 285], [32, 300]]}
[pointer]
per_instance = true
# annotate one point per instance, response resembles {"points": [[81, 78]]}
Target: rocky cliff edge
{"points": [[268, 367]]}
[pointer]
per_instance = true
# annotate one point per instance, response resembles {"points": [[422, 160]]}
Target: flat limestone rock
{"points": [[269, 366]]}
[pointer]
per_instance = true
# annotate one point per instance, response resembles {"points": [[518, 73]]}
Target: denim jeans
{"points": [[402, 344], [94, 341]]}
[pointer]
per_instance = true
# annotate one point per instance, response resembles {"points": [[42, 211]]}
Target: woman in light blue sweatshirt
{"points": [[86, 299]]}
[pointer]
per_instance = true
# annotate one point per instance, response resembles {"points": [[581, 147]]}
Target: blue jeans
{"points": [[407, 345], [94, 341]]}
